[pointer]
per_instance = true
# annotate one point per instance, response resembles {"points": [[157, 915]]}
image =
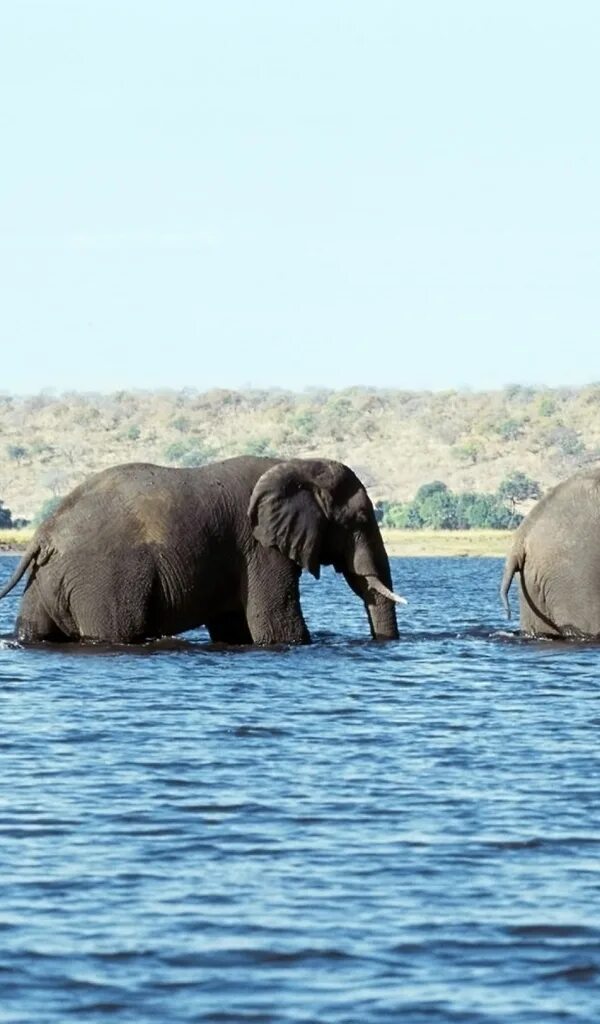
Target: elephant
{"points": [[556, 552], [140, 551]]}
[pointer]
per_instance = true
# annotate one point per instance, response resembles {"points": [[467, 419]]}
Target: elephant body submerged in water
{"points": [[556, 552], [140, 551]]}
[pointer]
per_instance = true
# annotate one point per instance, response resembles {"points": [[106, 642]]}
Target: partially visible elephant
{"points": [[556, 552], [141, 551]]}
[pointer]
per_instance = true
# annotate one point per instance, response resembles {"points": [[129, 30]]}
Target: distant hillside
{"points": [[395, 440]]}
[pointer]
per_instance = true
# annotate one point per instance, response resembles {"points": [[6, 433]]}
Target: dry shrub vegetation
{"points": [[395, 440]]}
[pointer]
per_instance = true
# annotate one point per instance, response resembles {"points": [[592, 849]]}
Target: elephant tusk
{"points": [[376, 584]]}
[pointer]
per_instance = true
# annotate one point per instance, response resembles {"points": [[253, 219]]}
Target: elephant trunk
{"points": [[380, 609], [370, 578]]}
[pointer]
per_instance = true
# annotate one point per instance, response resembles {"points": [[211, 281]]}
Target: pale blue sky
{"points": [[325, 192]]}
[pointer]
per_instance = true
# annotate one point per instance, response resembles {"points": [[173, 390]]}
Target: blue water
{"points": [[349, 832]]}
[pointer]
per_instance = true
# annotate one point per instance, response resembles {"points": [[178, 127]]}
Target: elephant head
{"points": [[317, 512]]}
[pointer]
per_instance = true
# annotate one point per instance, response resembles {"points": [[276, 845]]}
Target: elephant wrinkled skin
{"points": [[556, 552], [141, 551]]}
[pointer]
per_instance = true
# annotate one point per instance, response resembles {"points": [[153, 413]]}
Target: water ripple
{"points": [[349, 833]]}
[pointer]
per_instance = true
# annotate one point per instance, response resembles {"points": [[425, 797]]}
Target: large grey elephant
{"points": [[556, 552], [141, 551]]}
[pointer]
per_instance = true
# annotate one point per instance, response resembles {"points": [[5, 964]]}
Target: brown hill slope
{"points": [[395, 440]]}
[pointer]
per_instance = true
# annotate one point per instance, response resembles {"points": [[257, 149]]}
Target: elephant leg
{"points": [[273, 609], [533, 618], [118, 600], [229, 628], [34, 624]]}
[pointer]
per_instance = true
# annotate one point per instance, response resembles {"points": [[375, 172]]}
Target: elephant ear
{"points": [[289, 511]]}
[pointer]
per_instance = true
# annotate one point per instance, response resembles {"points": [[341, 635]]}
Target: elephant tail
{"points": [[513, 565], [29, 555]]}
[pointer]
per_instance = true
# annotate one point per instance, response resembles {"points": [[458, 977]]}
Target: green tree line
{"points": [[436, 507], [6, 519]]}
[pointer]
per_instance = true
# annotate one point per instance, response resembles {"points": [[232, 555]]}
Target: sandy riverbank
{"points": [[14, 542], [447, 543], [403, 543]]}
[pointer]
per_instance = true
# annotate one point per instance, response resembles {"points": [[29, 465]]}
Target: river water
{"points": [[346, 833]]}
